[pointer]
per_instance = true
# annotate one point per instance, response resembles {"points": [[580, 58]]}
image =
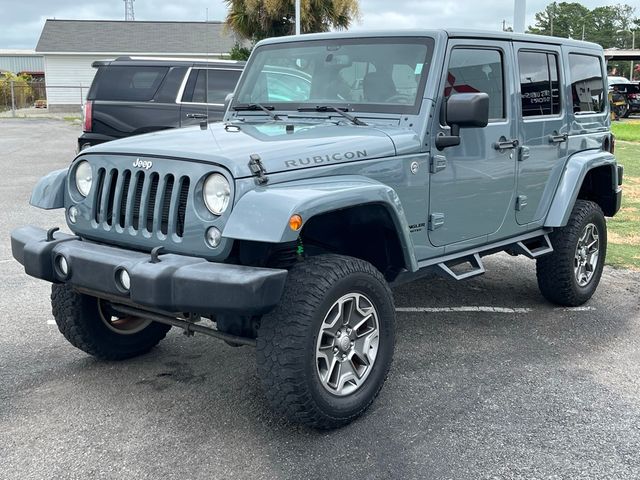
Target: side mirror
{"points": [[463, 110]]}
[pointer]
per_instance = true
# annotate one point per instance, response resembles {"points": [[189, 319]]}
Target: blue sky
{"points": [[21, 22]]}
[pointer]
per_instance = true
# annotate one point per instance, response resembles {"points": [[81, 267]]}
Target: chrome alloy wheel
{"points": [[585, 261], [124, 325], [347, 344]]}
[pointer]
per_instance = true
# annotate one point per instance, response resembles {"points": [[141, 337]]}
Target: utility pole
{"points": [[519, 14], [129, 15], [297, 17], [633, 47]]}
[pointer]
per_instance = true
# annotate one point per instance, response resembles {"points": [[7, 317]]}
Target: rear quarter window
{"points": [[587, 84], [128, 83]]}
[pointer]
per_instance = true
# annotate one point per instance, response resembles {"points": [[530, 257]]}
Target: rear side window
{"points": [[587, 84], [539, 83], [478, 70], [128, 83], [210, 85]]}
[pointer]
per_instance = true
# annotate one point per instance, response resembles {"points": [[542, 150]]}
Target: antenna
{"points": [[129, 15]]}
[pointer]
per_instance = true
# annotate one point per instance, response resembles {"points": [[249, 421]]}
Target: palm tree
{"points": [[258, 19]]}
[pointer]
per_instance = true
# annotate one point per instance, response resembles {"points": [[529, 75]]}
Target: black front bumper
{"points": [[176, 283]]}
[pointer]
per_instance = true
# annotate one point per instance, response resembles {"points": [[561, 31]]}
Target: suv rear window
{"points": [[127, 83], [587, 84]]}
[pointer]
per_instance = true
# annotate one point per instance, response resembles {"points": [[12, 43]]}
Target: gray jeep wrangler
{"points": [[346, 164]]}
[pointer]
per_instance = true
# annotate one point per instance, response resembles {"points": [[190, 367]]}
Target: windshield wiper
{"points": [[257, 106], [330, 108]]}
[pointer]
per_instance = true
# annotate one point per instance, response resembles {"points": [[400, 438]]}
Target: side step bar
{"points": [[534, 247], [474, 261]]}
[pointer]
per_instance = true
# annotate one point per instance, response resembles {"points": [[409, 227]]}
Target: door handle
{"points": [[196, 115], [558, 138], [504, 144]]}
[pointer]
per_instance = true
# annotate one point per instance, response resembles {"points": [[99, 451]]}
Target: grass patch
{"points": [[627, 131], [72, 119], [624, 228]]}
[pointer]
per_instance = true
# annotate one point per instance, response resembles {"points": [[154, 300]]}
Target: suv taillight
{"points": [[88, 116]]}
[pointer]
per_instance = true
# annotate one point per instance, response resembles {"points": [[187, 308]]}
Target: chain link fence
{"points": [[19, 97]]}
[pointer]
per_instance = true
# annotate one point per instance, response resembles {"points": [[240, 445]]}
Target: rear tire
{"points": [[324, 352], [87, 323], [570, 275]]}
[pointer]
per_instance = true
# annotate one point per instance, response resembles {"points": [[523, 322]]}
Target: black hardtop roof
{"points": [[171, 62]]}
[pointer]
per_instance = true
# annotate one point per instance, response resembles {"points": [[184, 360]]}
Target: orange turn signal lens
{"points": [[295, 222]]}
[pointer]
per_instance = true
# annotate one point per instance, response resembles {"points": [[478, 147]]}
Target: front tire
{"points": [[570, 275], [90, 324], [324, 352]]}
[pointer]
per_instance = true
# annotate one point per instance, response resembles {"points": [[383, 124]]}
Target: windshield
{"points": [[365, 74]]}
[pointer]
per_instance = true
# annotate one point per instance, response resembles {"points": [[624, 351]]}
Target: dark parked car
{"points": [[133, 95], [631, 94]]}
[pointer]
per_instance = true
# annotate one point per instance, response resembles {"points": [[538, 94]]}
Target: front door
{"points": [[543, 129], [472, 184]]}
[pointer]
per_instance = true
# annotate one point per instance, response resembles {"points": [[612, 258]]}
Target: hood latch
{"points": [[257, 169]]}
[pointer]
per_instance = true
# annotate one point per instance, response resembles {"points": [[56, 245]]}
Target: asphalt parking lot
{"points": [[489, 380]]}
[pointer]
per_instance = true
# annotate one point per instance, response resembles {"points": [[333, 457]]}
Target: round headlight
{"points": [[84, 178], [217, 193]]}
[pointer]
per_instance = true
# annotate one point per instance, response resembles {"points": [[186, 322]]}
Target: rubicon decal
{"points": [[146, 164], [318, 159]]}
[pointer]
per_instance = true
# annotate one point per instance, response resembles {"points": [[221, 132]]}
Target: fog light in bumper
{"points": [[123, 279], [213, 237], [62, 266]]}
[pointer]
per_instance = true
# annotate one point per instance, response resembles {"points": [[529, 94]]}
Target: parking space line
{"points": [[462, 309], [51, 322], [485, 309]]}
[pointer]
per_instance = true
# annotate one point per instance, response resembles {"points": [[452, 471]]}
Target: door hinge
{"points": [[521, 202], [257, 169], [523, 154], [438, 163], [436, 220]]}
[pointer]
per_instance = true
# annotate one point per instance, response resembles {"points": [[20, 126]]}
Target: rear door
{"points": [[471, 192], [543, 129], [204, 92]]}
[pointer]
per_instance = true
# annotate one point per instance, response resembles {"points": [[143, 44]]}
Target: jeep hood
{"points": [[230, 145]]}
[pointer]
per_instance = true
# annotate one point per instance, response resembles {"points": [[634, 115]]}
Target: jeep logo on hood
{"points": [[146, 164]]}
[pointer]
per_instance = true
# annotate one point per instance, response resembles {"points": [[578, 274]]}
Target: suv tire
{"points": [[299, 338], [570, 275], [83, 321]]}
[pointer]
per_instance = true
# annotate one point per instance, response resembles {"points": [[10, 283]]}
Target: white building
{"points": [[70, 47]]}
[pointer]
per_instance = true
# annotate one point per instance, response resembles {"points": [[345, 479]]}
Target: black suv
{"points": [[133, 95]]}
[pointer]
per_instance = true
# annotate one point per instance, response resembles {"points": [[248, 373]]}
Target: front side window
{"points": [[587, 84], [368, 74], [208, 85], [539, 83], [478, 70]]}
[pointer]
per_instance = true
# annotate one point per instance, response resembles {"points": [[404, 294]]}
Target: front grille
{"points": [[138, 201]]}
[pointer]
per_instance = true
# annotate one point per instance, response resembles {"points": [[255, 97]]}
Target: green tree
{"points": [[608, 25], [22, 91], [258, 19], [561, 20]]}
